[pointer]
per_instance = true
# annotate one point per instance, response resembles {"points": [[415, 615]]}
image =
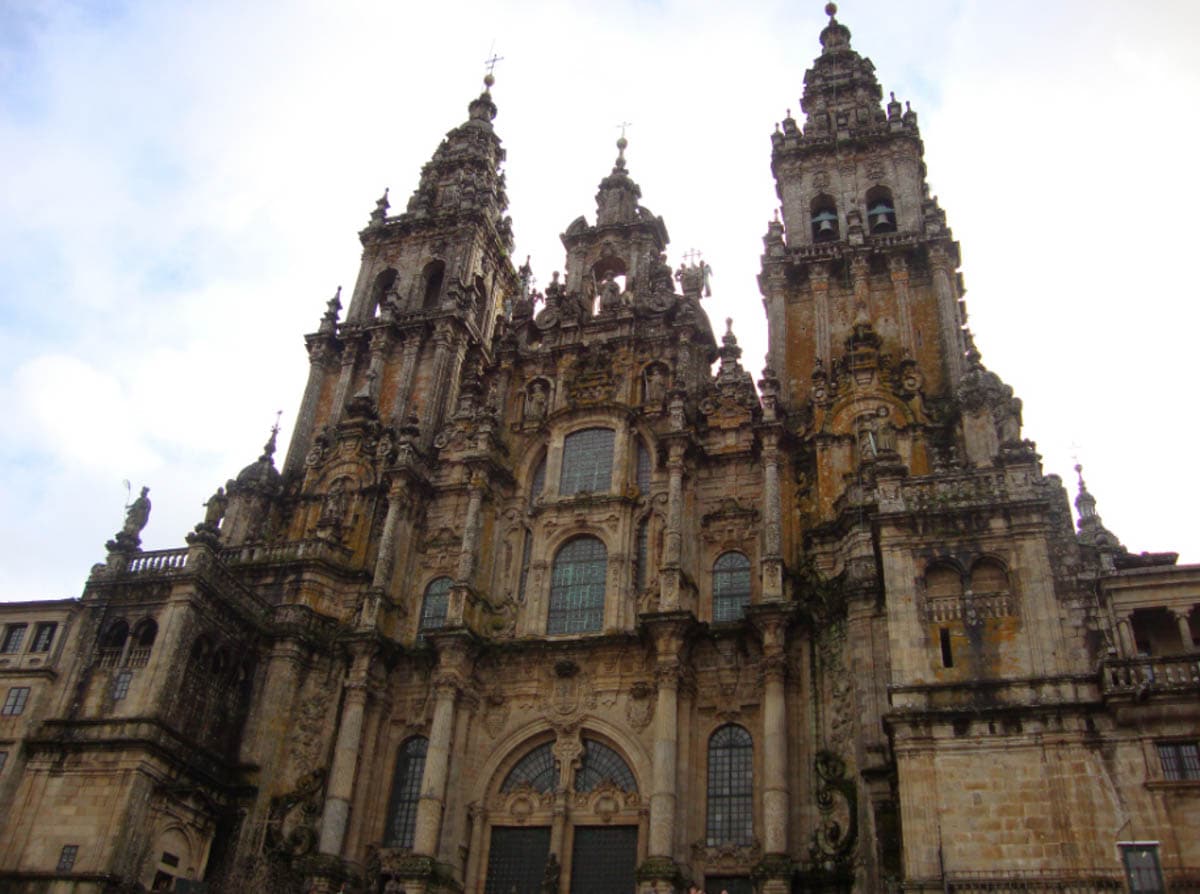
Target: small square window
{"points": [[14, 704], [121, 685], [1180, 760], [43, 636], [13, 637], [66, 859]]}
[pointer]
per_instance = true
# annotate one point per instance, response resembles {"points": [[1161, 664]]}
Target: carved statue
{"points": [[137, 514], [537, 401], [214, 509], [1008, 420], [333, 510], [551, 876], [656, 384], [610, 293]]}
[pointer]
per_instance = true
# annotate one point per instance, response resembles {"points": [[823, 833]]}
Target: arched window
{"points": [[730, 587], [587, 461], [435, 604], [988, 576], [730, 786], [384, 283], [824, 219], [435, 272], [577, 587], [943, 581], [112, 643], [538, 770], [602, 764], [644, 468], [144, 635], [406, 793], [881, 211]]}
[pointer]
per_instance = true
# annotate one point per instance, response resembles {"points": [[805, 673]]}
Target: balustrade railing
{"points": [[157, 561], [1170, 673]]}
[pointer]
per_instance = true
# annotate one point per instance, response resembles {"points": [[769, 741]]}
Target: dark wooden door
{"points": [[604, 860], [517, 860]]}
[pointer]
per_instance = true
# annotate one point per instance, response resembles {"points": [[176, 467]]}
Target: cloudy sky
{"points": [[181, 186]]}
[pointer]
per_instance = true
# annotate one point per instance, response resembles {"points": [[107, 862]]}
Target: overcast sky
{"points": [[181, 186]]}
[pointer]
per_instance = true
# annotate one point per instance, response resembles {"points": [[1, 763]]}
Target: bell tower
{"points": [[860, 240], [429, 289]]}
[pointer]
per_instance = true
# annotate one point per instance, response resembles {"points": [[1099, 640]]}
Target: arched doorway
{"points": [[564, 815]]}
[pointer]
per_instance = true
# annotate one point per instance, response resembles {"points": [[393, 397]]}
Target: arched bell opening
{"points": [[881, 210], [824, 218]]}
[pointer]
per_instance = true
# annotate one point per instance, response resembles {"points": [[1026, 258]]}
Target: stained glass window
{"points": [[406, 793], [587, 461], [437, 600], [577, 587], [643, 468], [602, 764], [730, 786], [731, 587], [536, 769]]}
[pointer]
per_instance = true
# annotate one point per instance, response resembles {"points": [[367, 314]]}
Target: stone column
{"points": [[673, 536], [949, 322], [1125, 637], [669, 635], [470, 541], [448, 682], [819, 281], [349, 355], [408, 362], [772, 564], [340, 788], [1185, 629], [772, 626], [431, 419], [898, 268], [385, 562]]}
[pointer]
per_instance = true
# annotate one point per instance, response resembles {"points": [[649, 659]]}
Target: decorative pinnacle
{"points": [[831, 9], [622, 143], [269, 447], [490, 78]]}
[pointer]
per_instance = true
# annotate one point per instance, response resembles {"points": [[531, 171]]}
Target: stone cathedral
{"points": [[552, 594]]}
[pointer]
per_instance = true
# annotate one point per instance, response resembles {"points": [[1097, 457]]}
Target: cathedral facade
{"points": [[550, 594]]}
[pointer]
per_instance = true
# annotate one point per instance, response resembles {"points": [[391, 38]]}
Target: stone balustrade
{"points": [[1172, 673], [157, 561]]}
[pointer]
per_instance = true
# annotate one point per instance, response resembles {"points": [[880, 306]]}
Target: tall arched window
{"points": [[406, 793], [824, 219], [435, 604], [881, 210], [731, 587], [730, 786], [988, 576], [112, 643], [434, 273], [577, 587], [384, 283], [144, 635], [587, 461]]}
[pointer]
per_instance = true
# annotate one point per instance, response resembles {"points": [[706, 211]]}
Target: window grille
{"points": [[602, 764], [1180, 760], [14, 703], [730, 786], [731, 587], [577, 587], [406, 793], [13, 637], [436, 604], [587, 461], [121, 685], [537, 769], [66, 857]]}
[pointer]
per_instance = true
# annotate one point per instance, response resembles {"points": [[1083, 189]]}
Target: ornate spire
{"points": [[835, 36], [1091, 529], [617, 200]]}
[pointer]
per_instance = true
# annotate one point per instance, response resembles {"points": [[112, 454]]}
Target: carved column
{"points": [[349, 355], [448, 682], [408, 362], [819, 281], [470, 541], [772, 626], [862, 285], [431, 419], [385, 563], [1185, 629], [951, 338], [320, 353], [898, 268], [1125, 637], [772, 564], [345, 755], [673, 536], [669, 645]]}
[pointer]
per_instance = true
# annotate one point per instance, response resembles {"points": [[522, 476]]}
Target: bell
{"points": [[825, 226], [883, 218]]}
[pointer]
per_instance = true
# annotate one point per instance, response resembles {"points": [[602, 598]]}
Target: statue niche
{"points": [[655, 378], [537, 401]]}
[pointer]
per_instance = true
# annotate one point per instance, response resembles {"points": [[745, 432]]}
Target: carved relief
{"points": [[639, 706]]}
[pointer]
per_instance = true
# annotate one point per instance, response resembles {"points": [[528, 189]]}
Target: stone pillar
{"points": [[385, 562], [772, 564], [470, 541], [408, 362], [669, 635], [898, 269], [776, 866], [349, 355], [1125, 637], [819, 281], [340, 788], [320, 352], [431, 420], [949, 320], [1185, 629], [673, 536], [448, 682]]}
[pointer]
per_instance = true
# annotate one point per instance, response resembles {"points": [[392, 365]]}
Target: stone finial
{"points": [[330, 319], [379, 215], [1085, 503]]}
